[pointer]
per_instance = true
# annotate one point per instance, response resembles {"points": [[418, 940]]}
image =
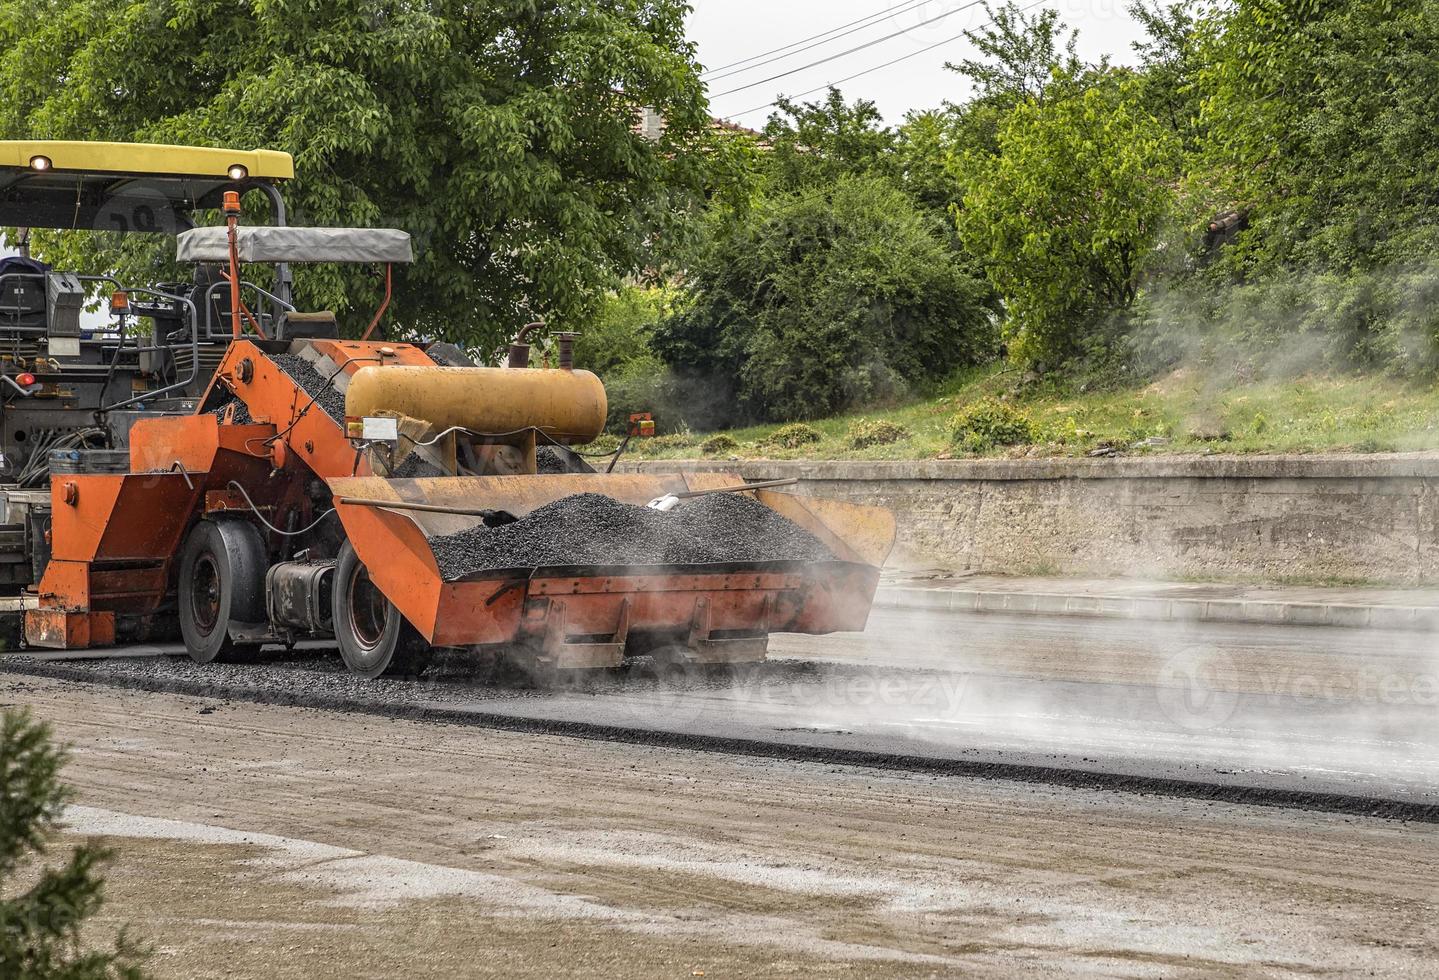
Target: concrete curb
{"points": [[1158, 608]]}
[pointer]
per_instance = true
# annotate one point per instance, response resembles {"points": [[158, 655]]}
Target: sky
{"points": [[730, 31]]}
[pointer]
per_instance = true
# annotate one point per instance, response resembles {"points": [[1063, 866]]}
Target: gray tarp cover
{"points": [[265, 244]]}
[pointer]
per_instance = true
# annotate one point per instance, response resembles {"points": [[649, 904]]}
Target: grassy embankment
{"points": [[1182, 413]]}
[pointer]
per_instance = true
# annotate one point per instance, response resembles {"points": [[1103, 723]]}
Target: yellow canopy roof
{"points": [[151, 159], [124, 187]]}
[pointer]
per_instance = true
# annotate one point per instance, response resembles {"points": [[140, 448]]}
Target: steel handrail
{"points": [[194, 352], [210, 304]]}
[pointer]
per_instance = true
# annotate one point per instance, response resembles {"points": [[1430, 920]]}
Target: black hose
{"points": [[261, 517]]}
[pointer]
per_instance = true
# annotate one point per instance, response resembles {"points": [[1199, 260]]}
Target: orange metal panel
{"points": [[55, 630], [134, 517], [854, 532], [399, 560], [477, 614], [274, 398], [66, 585], [363, 352], [135, 591], [190, 440], [81, 515]]}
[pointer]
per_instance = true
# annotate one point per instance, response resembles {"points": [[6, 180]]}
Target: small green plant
{"points": [[796, 435], [660, 444], [988, 424], [40, 925], [717, 445], [865, 433]]}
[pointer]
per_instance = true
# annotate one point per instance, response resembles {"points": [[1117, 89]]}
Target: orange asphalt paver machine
{"points": [[303, 492]]}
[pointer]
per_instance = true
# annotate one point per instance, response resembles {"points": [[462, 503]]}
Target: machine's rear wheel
{"points": [[374, 638], [222, 580]]}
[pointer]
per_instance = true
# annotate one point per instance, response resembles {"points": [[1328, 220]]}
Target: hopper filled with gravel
{"points": [[574, 571], [592, 529]]}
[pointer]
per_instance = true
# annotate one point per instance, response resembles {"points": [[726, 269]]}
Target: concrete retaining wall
{"points": [[1372, 519]]}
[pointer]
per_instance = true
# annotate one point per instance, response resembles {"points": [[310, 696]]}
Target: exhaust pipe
{"points": [[567, 350], [519, 350]]}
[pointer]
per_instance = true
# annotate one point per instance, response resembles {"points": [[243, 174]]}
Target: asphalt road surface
{"points": [[288, 842], [1301, 714]]}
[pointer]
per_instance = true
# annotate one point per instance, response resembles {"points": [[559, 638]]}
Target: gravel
{"points": [[314, 384], [592, 529], [554, 459], [242, 411], [415, 467]]}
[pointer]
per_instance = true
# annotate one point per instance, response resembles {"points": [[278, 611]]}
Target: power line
{"points": [[869, 71], [819, 39], [855, 50]]}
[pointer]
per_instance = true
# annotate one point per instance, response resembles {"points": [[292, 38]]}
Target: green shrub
{"points": [[619, 334], [47, 897], [643, 385], [839, 295], [796, 435], [715, 445], [659, 444], [875, 432], [989, 424]]}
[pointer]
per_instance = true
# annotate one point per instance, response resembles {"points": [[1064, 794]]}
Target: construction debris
{"points": [[591, 529]]}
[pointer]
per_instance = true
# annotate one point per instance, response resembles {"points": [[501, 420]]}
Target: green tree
{"points": [[1169, 65], [1320, 122], [40, 924], [822, 300], [1065, 216], [499, 134], [1020, 54], [813, 143]]}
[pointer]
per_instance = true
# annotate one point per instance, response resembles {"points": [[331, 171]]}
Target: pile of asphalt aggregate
{"points": [[415, 467], [592, 529], [549, 461], [558, 459], [242, 411], [313, 383]]}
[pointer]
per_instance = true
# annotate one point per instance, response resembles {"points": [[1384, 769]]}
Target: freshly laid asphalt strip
{"points": [[314, 384], [592, 529], [318, 682]]}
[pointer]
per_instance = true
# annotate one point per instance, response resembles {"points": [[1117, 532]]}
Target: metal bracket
{"points": [[561, 652], [704, 648]]}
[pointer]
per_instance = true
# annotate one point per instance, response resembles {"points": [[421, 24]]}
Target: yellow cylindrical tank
{"points": [[568, 406]]}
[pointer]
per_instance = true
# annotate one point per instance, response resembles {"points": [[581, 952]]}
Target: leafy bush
{"points": [[619, 335], [796, 435], [875, 432], [822, 299], [1296, 323], [644, 385], [40, 925], [659, 444], [989, 424], [715, 445]]}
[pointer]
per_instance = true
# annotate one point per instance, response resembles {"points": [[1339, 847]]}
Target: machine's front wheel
{"points": [[374, 638], [222, 580]]}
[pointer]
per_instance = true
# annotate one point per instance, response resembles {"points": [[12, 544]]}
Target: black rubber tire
{"points": [[222, 580], [374, 638]]}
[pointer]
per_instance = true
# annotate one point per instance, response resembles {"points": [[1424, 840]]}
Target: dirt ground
{"points": [[283, 842]]}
